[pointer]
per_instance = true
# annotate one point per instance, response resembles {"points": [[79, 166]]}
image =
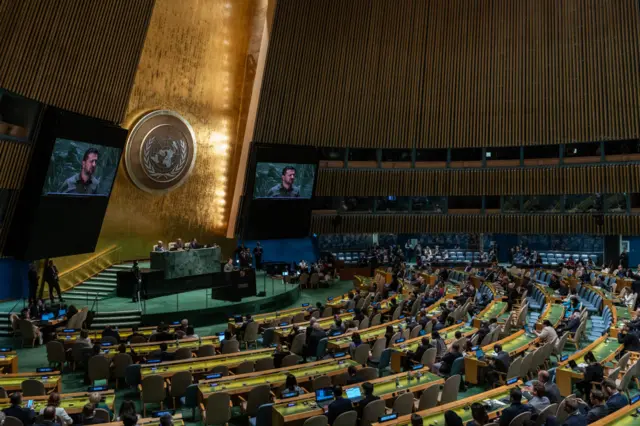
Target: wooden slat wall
{"points": [[451, 73], [517, 181], [508, 224], [79, 55]]}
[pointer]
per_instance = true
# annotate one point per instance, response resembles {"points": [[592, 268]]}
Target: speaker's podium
{"points": [[234, 286]]}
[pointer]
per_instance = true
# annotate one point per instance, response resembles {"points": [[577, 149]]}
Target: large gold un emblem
{"points": [[161, 151]]}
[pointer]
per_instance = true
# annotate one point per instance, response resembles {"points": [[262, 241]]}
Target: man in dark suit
{"points": [[575, 417], [516, 408], [339, 406], [26, 415], [424, 346], [598, 408], [33, 282], [89, 415], [317, 334], [616, 400], [163, 334], [110, 332], [500, 363], [571, 325], [631, 341], [49, 417], [51, 277], [482, 331], [161, 354], [257, 255], [368, 397], [551, 390]]}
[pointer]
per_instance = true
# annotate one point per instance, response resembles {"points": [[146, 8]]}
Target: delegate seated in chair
{"points": [[516, 407], [498, 364]]}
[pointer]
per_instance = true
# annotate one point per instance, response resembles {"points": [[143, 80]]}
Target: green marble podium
{"points": [[186, 263]]}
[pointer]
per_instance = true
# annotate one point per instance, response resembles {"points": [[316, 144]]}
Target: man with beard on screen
{"points": [[286, 189], [84, 182]]}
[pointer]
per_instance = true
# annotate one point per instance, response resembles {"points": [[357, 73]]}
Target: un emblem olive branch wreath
{"points": [[171, 174]]}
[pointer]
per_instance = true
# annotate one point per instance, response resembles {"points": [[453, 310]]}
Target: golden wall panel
{"points": [[507, 224], [451, 73], [517, 181], [80, 55], [193, 62]]}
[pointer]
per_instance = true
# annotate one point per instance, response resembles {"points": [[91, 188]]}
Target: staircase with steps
{"points": [[121, 319], [5, 324], [101, 286]]}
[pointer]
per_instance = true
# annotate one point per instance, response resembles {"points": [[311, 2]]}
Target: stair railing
{"points": [[78, 274], [95, 304], [14, 306]]}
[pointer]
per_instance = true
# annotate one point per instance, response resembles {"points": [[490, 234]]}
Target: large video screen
{"points": [[81, 169], [284, 180], [279, 191], [67, 188]]}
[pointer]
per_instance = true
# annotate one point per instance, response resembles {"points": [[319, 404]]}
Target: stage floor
{"points": [[195, 300]]}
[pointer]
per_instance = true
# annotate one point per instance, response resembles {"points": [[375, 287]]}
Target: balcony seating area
{"points": [[556, 258]]}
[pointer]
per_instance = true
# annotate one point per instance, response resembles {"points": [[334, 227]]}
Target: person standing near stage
{"points": [[51, 278], [135, 270], [33, 282], [257, 254]]}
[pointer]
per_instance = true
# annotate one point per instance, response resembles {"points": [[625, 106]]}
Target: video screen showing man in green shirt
{"points": [[279, 180]]}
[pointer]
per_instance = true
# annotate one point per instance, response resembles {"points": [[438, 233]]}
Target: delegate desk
{"points": [[267, 318], [300, 408], [626, 416], [553, 312], [497, 399], [515, 344], [173, 272], [9, 362], [13, 382], [400, 349], [71, 402], [144, 349], [186, 263], [243, 383], [429, 279], [493, 310], [603, 348], [338, 301], [326, 323], [549, 293], [69, 336], [283, 331], [203, 364], [476, 280], [367, 335], [362, 283], [620, 316]]}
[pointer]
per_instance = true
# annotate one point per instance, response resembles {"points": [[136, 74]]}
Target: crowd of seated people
{"points": [[179, 245], [55, 415], [325, 268], [590, 404]]}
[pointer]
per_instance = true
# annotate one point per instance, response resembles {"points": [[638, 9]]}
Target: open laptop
{"points": [[324, 396], [479, 353], [354, 394]]}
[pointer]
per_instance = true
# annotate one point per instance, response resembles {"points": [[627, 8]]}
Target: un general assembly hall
{"points": [[320, 212]]}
